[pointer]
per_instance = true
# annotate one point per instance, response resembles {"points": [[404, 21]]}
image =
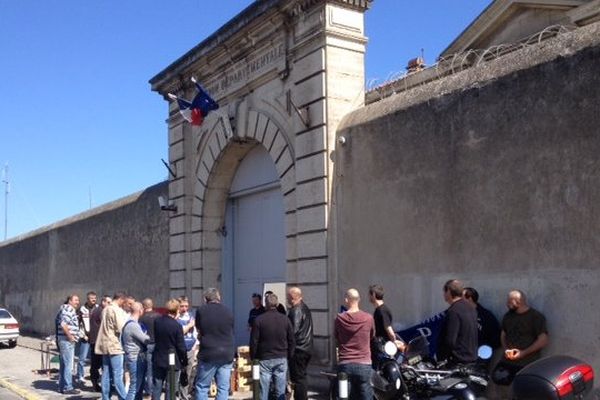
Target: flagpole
{"points": [[5, 181]]}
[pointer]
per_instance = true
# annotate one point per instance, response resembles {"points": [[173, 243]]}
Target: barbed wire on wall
{"points": [[403, 80]]}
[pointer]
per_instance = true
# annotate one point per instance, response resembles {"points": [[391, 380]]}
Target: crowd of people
{"points": [[121, 334]]}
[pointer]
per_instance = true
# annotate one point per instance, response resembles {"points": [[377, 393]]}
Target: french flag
{"points": [[195, 111]]}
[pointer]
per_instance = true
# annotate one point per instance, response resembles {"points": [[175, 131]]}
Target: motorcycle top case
{"points": [[554, 377]]}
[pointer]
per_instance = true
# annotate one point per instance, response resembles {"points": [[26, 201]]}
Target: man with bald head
{"points": [[524, 335], [353, 331], [134, 344], [301, 319]]}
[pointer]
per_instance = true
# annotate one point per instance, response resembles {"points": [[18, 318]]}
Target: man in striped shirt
{"points": [[67, 335]]}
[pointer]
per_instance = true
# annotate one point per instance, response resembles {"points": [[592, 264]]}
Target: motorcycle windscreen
{"points": [[417, 348]]}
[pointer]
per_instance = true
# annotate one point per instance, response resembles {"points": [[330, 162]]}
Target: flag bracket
{"points": [[303, 113], [173, 174]]}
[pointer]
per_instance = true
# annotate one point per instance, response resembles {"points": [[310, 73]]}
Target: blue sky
{"points": [[77, 113]]}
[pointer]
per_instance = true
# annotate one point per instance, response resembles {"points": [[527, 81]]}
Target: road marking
{"points": [[27, 395]]}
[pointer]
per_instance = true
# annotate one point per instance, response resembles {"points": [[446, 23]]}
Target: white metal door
{"points": [[254, 248]]}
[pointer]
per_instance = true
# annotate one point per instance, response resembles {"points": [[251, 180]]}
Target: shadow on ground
{"points": [[87, 393], [45, 384]]}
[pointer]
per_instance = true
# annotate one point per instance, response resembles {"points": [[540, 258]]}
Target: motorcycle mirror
{"points": [[484, 352], [390, 348]]}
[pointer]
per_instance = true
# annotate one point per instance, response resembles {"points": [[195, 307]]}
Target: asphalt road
{"points": [[6, 394]]}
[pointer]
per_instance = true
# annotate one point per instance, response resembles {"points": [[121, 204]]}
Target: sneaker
{"points": [[72, 391]]}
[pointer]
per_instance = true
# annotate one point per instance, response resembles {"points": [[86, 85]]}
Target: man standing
{"points": [[84, 325], [67, 334], [488, 327], [95, 320], [168, 338], [458, 335], [301, 319], [272, 343], [257, 309], [353, 330], [147, 323], [524, 335], [108, 343], [187, 323], [280, 307], [214, 323], [134, 343], [382, 317]]}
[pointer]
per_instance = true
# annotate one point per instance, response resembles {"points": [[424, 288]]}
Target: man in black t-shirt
{"points": [[382, 317], [256, 310], [524, 335]]}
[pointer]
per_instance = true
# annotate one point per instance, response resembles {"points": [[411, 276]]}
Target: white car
{"points": [[9, 329]]}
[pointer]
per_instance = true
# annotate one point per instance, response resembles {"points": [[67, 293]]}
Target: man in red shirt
{"points": [[353, 331]]}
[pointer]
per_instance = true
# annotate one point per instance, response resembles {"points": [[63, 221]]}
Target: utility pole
{"points": [[6, 190]]}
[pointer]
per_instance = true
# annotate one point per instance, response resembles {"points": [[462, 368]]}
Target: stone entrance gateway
{"points": [[284, 73]]}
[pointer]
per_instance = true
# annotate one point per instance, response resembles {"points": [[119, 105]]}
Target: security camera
{"points": [[166, 205]]}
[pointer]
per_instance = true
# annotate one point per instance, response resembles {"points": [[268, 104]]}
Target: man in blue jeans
{"points": [[134, 344], [84, 313], [354, 329], [67, 334], [147, 323], [108, 344], [214, 323], [186, 320], [272, 343]]}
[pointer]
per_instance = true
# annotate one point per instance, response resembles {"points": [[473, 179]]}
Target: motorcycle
{"points": [[413, 375], [426, 379]]}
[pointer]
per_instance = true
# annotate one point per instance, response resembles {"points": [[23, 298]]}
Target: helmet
{"points": [[390, 371]]}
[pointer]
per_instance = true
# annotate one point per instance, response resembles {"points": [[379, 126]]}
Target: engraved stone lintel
{"points": [[304, 5]]}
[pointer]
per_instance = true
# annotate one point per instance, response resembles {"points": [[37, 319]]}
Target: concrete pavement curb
{"points": [[27, 395]]}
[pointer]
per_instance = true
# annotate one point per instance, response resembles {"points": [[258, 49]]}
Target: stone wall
{"points": [[123, 245], [491, 176]]}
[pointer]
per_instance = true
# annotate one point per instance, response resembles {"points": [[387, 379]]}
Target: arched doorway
{"points": [[254, 246]]}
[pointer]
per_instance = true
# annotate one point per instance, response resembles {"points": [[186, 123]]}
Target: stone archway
{"points": [[219, 152]]}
